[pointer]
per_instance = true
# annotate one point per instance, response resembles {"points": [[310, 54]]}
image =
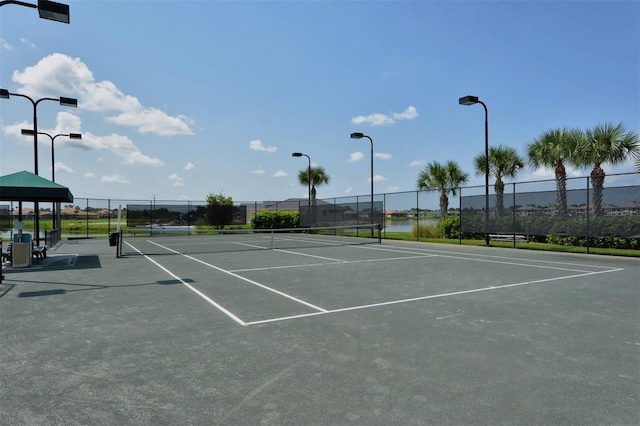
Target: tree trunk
{"points": [[444, 205], [561, 189], [597, 182], [313, 207], [499, 188]]}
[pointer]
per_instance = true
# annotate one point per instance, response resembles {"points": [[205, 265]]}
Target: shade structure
{"points": [[26, 186]]}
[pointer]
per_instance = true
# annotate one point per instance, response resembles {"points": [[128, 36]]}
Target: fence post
{"points": [[87, 217], [417, 215], [588, 224], [513, 207], [460, 216]]}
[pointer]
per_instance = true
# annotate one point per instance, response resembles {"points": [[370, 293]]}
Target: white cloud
{"points": [[151, 120], [348, 190], [375, 119], [382, 155], [257, 145], [5, 44], [393, 189], [61, 167], [136, 157], [279, 173], [379, 119], [89, 175], [114, 179], [548, 173], [189, 166], [258, 172], [58, 73], [416, 163], [377, 178], [28, 43], [411, 113], [355, 156], [67, 122], [177, 180]]}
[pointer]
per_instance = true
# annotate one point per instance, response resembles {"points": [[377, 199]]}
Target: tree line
{"points": [[556, 148], [604, 144]]}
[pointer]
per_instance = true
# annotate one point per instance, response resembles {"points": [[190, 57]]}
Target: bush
{"points": [[275, 219], [425, 231], [449, 227]]}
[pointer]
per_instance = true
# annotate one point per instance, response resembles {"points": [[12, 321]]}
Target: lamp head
{"points": [[28, 132], [357, 135], [296, 154], [468, 100], [75, 135], [68, 102], [4, 94], [53, 11]]}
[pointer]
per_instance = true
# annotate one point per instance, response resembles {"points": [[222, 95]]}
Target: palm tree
{"points": [[605, 144], [504, 162], [555, 148], [318, 178], [445, 178]]}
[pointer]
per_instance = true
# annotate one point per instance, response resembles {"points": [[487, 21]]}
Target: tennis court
{"points": [[310, 329]]}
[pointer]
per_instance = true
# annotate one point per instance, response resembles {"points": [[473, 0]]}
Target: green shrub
{"points": [[425, 231], [269, 219], [449, 227]]}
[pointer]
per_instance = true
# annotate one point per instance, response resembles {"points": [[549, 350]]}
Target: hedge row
{"points": [[275, 219]]}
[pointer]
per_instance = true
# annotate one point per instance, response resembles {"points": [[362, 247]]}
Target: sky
{"points": [[181, 99]]}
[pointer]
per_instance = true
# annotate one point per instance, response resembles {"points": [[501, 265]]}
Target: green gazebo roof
{"points": [[26, 186]]}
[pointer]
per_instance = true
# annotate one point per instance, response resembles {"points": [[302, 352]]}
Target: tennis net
{"points": [[230, 240]]}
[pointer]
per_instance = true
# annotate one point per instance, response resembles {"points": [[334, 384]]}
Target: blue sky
{"points": [[179, 99]]}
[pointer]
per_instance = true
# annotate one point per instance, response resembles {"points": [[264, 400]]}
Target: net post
{"points": [[379, 226]]}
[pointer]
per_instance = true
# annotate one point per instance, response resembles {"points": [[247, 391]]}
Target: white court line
{"points": [[435, 296], [217, 268], [474, 259], [422, 250], [195, 290]]}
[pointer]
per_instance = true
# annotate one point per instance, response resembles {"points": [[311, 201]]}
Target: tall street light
{"points": [[299, 154], [471, 100], [358, 135], [46, 9], [69, 102], [53, 162]]}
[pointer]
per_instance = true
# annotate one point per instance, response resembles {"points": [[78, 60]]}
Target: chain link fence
{"points": [[536, 210]]}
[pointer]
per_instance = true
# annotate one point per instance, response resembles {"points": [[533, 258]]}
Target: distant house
{"points": [[529, 210]]}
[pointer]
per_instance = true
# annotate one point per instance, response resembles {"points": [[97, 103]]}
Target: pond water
{"points": [[407, 225]]}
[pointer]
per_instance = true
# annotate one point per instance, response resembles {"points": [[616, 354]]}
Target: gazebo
{"points": [[26, 186]]}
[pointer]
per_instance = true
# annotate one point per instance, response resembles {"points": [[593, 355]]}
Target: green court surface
{"points": [[182, 331]]}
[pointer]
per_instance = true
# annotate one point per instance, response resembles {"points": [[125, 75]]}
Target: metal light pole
{"points": [[358, 135], [69, 102], [471, 100], [53, 163], [46, 9], [299, 154]]}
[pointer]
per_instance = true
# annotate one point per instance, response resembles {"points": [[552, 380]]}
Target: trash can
{"points": [[113, 239]]}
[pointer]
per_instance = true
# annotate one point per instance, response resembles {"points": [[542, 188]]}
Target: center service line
{"points": [[190, 287]]}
